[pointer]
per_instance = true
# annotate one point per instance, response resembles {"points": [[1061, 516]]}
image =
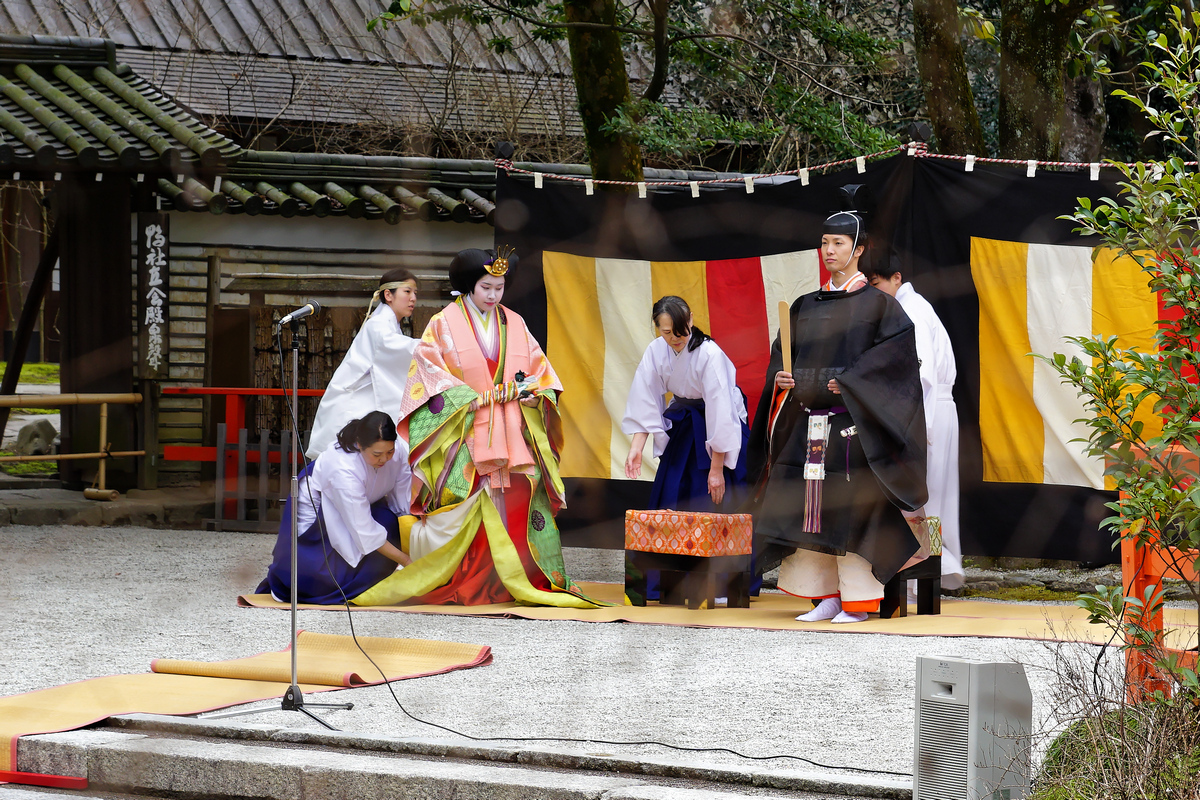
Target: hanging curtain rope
{"points": [[914, 149]]}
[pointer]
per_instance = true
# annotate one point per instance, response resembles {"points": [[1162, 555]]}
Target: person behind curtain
{"points": [[838, 446], [375, 367], [480, 413], [700, 439], [938, 372], [350, 497]]}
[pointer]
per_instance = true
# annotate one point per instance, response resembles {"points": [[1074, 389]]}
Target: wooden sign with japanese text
{"points": [[153, 293]]}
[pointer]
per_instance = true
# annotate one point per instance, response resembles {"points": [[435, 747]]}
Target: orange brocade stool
{"points": [[700, 556]]}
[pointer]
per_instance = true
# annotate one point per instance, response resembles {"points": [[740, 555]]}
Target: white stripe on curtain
{"points": [[785, 277], [1059, 297], [624, 291]]}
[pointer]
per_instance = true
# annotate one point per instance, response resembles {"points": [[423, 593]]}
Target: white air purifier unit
{"points": [[974, 721]]}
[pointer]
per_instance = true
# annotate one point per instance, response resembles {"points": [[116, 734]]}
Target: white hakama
{"points": [[370, 378], [938, 373]]}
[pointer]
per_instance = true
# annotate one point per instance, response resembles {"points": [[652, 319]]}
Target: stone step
{"points": [[168, 757]]}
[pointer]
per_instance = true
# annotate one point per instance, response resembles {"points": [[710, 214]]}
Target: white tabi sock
{"points": [[849, 616], [829, 608]]}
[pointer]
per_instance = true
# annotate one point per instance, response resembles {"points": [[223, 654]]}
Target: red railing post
{"points": [[235, 421], [1144, 565]]}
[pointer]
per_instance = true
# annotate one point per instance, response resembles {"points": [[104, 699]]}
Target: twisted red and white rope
{"points": [[914, 149]]}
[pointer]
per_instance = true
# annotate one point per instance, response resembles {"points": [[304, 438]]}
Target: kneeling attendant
{"points": [[349, 501]]}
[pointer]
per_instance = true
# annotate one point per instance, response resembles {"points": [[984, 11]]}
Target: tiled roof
{"points": [[305, 184], [328, 30], [363, 93], [314, 61], [371, 187], [66, 106]]}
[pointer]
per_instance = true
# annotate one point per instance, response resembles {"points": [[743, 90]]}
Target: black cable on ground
{"points": [[293, 413]]}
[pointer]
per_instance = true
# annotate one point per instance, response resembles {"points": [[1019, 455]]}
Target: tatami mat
{"points": [[777, 611], [324, 662]]}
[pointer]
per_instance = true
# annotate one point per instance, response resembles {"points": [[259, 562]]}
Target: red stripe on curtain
{"points": [[739, 317], [1166, 319]]}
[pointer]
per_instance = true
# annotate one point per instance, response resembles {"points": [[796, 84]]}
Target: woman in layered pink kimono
{"points": [[481, 418]]}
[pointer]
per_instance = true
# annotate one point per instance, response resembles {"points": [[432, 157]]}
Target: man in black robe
{"points": [[854, 363]]}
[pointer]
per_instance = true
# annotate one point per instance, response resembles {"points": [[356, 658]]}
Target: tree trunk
{"points": [[602, 83], [1084, 122], [944, 78], [1033, 55]]}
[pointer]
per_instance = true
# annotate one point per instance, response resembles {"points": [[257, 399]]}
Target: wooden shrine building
{"points": [[169, 250]]}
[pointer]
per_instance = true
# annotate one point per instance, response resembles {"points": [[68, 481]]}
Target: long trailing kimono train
{"points": [[875, 458], [938, 372], [486, 482], [707, 415]]}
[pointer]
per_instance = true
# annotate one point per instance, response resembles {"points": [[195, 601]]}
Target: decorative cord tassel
{"points": [[491, 416], [813, 491]]}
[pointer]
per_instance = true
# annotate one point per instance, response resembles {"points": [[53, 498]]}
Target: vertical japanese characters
{"points": [[155, 296], [153, 306]]}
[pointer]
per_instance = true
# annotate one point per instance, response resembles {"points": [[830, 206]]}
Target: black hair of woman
{"points": [[470, 265], [358, 434], [680, 313]]}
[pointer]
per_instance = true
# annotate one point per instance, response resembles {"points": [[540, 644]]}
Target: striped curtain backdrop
{"points": [[598, 325], [1031, 297], [988, 247]]}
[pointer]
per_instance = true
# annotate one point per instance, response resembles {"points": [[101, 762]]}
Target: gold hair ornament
{"points": [[499, 265]]}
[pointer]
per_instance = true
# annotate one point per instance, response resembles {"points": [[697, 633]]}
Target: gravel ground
{"points": [[77, 603]]}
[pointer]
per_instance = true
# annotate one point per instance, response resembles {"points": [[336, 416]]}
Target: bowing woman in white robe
{"points": [[372, 375], [938, 373], [700, 439], [351, 497]]}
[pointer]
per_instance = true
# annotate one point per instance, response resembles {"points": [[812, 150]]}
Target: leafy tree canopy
{"points": [[745, 84]]}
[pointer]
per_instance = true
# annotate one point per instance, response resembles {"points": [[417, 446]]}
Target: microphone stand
{"points": [[293, 698]]}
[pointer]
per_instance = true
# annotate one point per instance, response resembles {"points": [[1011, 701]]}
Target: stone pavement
{"points": [[38, 501], [79, 603], [574, 671]]}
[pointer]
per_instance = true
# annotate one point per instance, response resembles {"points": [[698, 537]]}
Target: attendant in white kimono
{"points": [[938, 373], [374, 370], [700, 439], [350, 499]]}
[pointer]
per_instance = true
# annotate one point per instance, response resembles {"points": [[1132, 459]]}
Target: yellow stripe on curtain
{"points": [[575, 346], [1011, 427], [1123, 304], [684, 279]]}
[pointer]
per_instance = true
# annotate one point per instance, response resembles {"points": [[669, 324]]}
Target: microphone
{"points": [[311, 307]]}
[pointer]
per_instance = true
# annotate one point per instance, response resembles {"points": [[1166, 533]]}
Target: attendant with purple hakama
{"points": [[350, 499], [700, 438]]}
